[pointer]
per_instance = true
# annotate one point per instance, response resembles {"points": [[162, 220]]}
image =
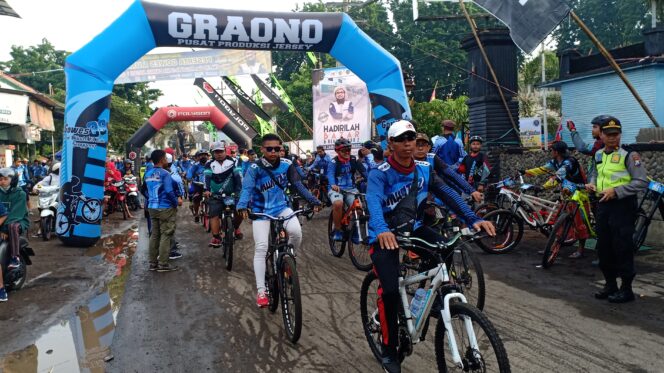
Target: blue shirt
{"points": [[346, 178], [321, 163], [178, 186], [22, 173], [387, 187], [184, 165], [369, 162], [196, 173], [265, 196], [161, 194], [449, 150]]}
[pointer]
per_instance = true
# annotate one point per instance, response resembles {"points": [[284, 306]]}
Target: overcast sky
{"points": [[70, 24]]}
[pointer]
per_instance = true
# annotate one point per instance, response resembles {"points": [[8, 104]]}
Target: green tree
{"points": [[126, 118], [429, 115], [38, 59]]}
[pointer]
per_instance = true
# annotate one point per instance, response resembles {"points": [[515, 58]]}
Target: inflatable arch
{"points": [[91, 71], [165, 115]]}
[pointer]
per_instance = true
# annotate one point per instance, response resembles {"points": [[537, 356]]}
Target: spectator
{"points": [[449, 149], [17, 222], [22, 177]]}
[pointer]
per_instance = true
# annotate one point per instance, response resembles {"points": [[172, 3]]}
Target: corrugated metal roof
{"points": [[584, 99], [6, 10]]}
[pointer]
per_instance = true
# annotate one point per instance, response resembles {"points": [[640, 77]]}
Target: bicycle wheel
{"points": [[485, 208], [229, 240], [369, 314], [291, 303], [640, 229], [509, 231], [271, 284], [467, 272], [556, 240], [336, 247], [491, 357], [359, 253]]}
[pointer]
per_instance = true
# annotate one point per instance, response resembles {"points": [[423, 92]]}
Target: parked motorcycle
{"points": [[14, 279], [118, 199], [48, 208], [132, 192]]}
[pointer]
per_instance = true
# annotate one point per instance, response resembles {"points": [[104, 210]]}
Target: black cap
{"points": [[608, 124], [559, 146]]}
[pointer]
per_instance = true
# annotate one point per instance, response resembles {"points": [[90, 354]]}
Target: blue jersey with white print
{"points": [[346, 178], [320, 163], [196, 172], [260, 190], [178, 186], [450, 176], [159, 185], [387, 187]]}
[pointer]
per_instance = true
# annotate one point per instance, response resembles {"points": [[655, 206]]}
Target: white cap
{"points": [[400, 127], [169, 158], [218, 145]]}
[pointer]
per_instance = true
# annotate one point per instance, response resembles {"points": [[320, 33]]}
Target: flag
{"points": [[271, 95], [232, 83], [312, 58], [433, 93], [529, 21], [559, 136], [265, 126]]}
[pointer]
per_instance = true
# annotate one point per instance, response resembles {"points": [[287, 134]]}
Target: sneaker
{"points": [[262, 300], [14, 263], [337, 235], [215, 242], [238, 234], [166, 268], [153, 266], [3, 295], [174, 255]]}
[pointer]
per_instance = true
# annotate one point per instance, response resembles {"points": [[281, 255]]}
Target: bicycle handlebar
{"points": [[407, 241], [254, 215]]}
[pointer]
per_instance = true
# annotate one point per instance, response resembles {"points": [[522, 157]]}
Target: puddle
{"points": [[82, 343]]}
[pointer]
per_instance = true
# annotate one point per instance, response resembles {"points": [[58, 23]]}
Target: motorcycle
{"points": [[132, 192], [48, 208], [117, 199], [14, 279]]}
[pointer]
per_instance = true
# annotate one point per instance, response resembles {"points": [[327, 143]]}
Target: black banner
{"points": [[246, 100], [530, 21], [226, 108], [270, 93], [241, 29]]}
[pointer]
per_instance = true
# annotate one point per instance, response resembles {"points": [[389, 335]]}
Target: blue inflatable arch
{"points": [[92, 70]]}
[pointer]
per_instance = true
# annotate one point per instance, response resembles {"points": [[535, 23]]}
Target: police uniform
{"points": [[621, 170]]}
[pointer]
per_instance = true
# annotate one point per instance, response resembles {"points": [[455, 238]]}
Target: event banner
{"points": [[199, 64], [531, 132], [13, 108], [245, 98], [341, 108], [271, 95]]}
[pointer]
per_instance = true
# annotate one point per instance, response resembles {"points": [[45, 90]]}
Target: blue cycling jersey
{"points": [[184, 165], [387, 187], [196, 172], [259, 190], [346, 178], [159, 185], [451, 177], [369, 162], [178, 186], [320, 163]]}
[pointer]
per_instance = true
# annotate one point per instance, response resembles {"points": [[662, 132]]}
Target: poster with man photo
{"points": [[341, 108]]}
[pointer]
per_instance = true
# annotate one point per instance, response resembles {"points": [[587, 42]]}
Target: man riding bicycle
{"points": [[318, 167], [396, 190], [564, 167], [196, 175], [264, 187], [221, 177], [341, 177]]}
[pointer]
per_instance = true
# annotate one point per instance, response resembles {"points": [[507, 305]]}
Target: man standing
{"points": [[474, 166], [162, 206], [23, 177], [579, 144], [617, 175], [449, 149]]}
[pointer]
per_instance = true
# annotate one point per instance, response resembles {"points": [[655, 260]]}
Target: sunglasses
{"points": [[408, 136], [270, 149], [343, 149]]}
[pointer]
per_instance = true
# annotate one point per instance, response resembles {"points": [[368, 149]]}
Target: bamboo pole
{"points": [[493, 73], [614, 65]]}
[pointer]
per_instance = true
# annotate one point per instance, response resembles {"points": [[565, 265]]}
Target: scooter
{"points": [[48, 208], [14, 279], [132, 192]]}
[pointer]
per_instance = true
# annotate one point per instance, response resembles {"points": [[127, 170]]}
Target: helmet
{"points": [[56, 168], [559, 146], [475, 138], [218, 145], [201, 152], [369, 144], [7, 172], [341, 143]]}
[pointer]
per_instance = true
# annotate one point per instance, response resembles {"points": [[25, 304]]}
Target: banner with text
{"points": [[13, 108], [531, 132], [341, 108], [199, 64]]}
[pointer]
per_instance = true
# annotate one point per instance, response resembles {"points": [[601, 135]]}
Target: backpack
{"points": [[337, 165]]}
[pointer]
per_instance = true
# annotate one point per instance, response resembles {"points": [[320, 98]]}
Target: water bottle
{"points": [[418, 303]]}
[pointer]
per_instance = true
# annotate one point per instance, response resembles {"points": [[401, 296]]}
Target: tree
{"points": [[38, 59], [429, 115], [126, 118]]}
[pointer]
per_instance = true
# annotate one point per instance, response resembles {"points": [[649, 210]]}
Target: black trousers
{"points": [[386, 266], [615, 243]]}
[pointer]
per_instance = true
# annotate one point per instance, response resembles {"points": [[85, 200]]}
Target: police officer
{"points": [[617, 175]]}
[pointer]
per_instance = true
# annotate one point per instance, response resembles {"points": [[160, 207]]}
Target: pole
{"points": [[488, 64], [614, 65], [653, 10], [544, 119]]}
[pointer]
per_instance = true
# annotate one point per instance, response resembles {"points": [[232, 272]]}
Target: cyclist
{"points": [[221, 177], [579, 144], [251, 158], [196, 174], [452, 178], [341, 177], [318, 167], [184, 164], [264, 191], [474, 166], [393, 208], [618, 176]]}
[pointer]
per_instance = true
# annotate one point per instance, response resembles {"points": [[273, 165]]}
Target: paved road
{"points": [[204, 318]]}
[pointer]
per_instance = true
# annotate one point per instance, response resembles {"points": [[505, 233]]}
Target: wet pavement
{"points": [[204, 318]]}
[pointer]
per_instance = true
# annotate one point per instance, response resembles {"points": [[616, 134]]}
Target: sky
{"points": [[70, 24]]}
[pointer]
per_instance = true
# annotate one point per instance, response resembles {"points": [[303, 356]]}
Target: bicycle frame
{"points": [[580, 199], [655, 193], [352, 210]]}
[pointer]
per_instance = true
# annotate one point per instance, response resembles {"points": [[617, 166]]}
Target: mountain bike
{"points": [[227, 218], [354, 226], [564, 228], [319, 189], [464, 340], [281, 278], [654, 197]]}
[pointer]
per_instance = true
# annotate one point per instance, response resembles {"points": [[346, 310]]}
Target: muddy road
{"points": [[100, 310]]}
